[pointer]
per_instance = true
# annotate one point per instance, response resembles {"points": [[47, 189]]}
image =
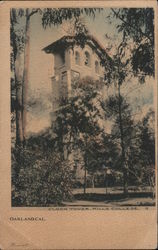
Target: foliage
{"points": [[138, 139], [111, 107], [147, 148], [126, 63], [137, 28], [118, 110], [56, 16], [77, 125], [78, 115], [39, 179]]}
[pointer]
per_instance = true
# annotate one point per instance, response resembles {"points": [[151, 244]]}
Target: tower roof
{"points": [[69, 41]]}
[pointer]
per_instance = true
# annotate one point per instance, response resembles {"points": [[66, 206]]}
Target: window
{"points": [[96, 67], [87, 59], [62, 55], [77, 58]]}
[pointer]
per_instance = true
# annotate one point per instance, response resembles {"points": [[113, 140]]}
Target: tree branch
{"points": [[129, 24], [33, 12]]}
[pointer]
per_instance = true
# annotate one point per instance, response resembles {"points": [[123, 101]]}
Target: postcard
{"points": [[78, 124]]}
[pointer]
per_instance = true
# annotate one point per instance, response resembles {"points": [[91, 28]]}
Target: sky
{"points": [[41, 67]]}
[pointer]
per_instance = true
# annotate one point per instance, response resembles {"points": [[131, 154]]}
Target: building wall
{"points": [[65, 64], [62, 61], [83, 69]]}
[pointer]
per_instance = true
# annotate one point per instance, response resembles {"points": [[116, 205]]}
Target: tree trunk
{"points": [[85, 179], [19, 105], [125, 170], [125, 182], [18, 75], [19, 131], [93, 178], [25, 74]]}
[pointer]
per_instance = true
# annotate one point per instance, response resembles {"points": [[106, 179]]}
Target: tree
{"points": [[134, 57], [44, 179], [17, 45], [147, 148], [116, 76], [76, 126], [137, 28], [118, 110]]}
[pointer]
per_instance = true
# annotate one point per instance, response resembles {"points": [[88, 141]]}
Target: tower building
{"points": [[71, 62]]}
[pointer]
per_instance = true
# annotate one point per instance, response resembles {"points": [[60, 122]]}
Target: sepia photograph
{"points": [[83, 116]]}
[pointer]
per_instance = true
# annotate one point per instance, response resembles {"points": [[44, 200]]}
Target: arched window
{"points": [[87, 61], [96, 67], [77, 58]]}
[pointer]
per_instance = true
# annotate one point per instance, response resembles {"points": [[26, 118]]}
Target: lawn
{"points": [[112, 197]]}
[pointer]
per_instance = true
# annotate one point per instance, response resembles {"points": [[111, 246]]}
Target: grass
{"points": [[114, 196], [111, 197]]}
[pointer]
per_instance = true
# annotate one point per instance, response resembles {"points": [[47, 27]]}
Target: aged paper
{"points": [[78, 125]]}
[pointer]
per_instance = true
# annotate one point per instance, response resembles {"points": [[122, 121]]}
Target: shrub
{"points": [[40, 180]]}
